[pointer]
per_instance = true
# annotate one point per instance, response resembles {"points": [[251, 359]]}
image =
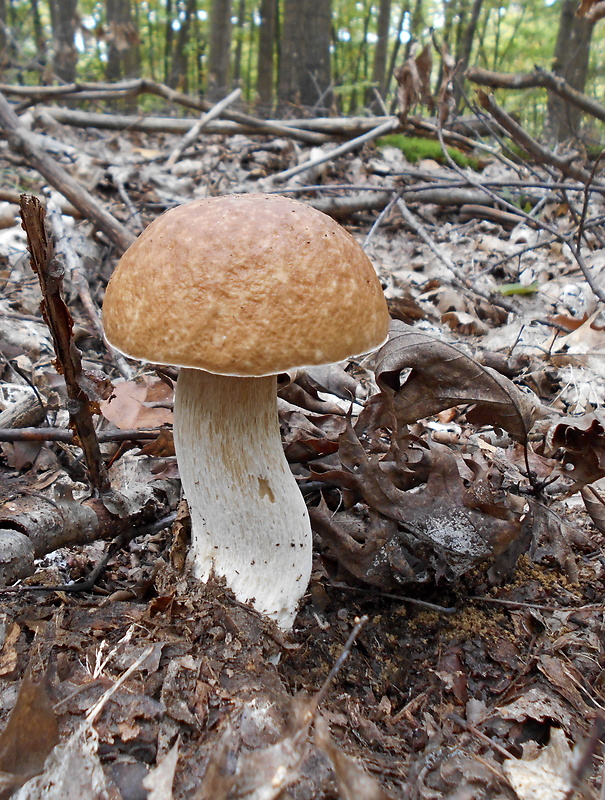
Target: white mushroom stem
{"points": [[249, 519]]}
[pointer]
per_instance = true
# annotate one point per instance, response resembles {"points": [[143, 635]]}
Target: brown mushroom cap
{"points": [[245, 285]]}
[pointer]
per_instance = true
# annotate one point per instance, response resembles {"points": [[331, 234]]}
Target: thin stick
{"points": [[56, 315], [72, 262], [381, 130], [194, 133], [320, 696], [99, 705]]}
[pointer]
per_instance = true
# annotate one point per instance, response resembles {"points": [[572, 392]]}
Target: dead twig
{"points": [[87, 584], [56, 315], [542, 155], [72, 263], [195, 131]]}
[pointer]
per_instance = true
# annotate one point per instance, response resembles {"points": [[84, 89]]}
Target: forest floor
{"points": [[468, 467]]}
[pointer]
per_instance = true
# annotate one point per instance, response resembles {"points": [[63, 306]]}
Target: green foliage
{"points": [[509, 289], [511, 36], [415, 148]]}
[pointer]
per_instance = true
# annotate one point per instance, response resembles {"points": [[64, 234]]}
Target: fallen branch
{"points": [[66, 436], [21, 141], [539, 78], [540, 154], [386, 127]]}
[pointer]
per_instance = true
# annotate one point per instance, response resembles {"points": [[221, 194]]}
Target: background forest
{"points": [[324, 55]]}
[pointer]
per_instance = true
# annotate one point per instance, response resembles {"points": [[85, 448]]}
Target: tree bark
{"points": [[178, 74], [466, 45], [379, 67], [266, 60], [123, 58], [572, 52], [219, 57], [63, 16], [3, 36], [305, 55]]}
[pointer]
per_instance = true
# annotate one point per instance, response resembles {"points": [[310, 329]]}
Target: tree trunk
{"points": [[379, 67], [123, 58], [239, 41], [305, 55], [39, 35], [572, 52], [219, 56], [63, 17], [3, 36], [178, 73], [463, 56], [266, 61]]}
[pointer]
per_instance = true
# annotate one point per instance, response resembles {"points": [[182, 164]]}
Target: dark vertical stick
{"points": [[50, 274]]}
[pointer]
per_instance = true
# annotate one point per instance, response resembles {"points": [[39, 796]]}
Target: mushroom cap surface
{"points": [[246, 285]]}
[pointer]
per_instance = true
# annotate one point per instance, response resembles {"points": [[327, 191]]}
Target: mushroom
{"points": [[235, 290]]}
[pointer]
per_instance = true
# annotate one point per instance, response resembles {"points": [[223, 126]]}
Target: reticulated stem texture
{"points": [[249, 519]]}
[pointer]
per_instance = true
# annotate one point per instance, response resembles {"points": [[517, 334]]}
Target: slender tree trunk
{"points": [[405, 9], [168, 40], [123, 57], [63, 17], [572, 53], [39, 36], [3, 36], [266, 59], [379, 67], [466, 46], [239, 41], [219, 56], [178, 73], [360, 55], [305, 55]]}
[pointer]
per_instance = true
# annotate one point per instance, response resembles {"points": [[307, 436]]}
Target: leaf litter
{"points": [[457, 470]]}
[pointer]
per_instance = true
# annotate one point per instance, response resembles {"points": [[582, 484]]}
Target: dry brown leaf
{"points": [[582, 439], [72, 772], [30, 734], [413, 81], [545, 776], [442, 376], [595, 506], [354, 783], [159, 781], [127, 408]]}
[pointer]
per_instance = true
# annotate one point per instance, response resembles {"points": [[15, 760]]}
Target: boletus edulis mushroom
{"points": [[235, 290]]}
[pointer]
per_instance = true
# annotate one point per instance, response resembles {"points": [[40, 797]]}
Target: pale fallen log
{"points": [[343, 207], [390, 125], [33, 525]]}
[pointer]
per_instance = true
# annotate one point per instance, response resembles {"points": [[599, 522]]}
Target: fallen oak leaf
{"points": [[442, 376], [127, 407], [29, 736]]}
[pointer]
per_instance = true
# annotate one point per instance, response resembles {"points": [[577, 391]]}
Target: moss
{"points": [[415, 148]]}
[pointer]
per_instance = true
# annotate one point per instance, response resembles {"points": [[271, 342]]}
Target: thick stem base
{"points": [[249, 519]]}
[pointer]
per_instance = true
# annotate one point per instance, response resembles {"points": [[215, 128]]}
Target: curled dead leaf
{"points": [[425, 375]]}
